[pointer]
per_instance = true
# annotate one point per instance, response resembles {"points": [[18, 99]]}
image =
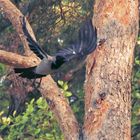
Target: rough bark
{"points": [[48, 87], [22, 61], [108, 76], [14, 15]]}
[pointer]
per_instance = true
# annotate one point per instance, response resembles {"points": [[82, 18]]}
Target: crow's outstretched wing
{"points": [[85, 45], [31, 42]]}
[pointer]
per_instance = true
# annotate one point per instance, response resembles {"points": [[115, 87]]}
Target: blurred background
{"points": [[24, 115]]}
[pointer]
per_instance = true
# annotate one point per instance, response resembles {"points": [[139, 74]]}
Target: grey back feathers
{"points": [[86, 44]]}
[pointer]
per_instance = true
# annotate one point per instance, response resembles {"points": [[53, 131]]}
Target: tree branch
{"points": [[17, 60], [48, 88], [10, 11]]}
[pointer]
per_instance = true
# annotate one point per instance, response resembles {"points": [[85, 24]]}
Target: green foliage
{"points": [[2, 69], [37, 122], [9, 29], [136, 90], [78, 106], [3, 96], [64, 88]]}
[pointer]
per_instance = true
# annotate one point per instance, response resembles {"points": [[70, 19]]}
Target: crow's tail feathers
{"points": [[28, 72]]}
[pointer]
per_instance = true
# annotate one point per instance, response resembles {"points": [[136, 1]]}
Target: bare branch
{"points": [[48, 88], [61, 109], [17, 60], [14, 15]]}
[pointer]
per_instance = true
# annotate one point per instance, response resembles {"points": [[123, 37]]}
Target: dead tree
{"points": [[108, 73]]}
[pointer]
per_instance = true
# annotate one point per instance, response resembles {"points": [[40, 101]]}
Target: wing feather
{"points": [[31, 42], [85, 45]]}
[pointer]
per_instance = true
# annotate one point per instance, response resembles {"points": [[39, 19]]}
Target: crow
{"points": [[83, 46]]}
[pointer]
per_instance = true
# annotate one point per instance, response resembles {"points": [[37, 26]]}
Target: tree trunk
{"points": [[108, 75]]}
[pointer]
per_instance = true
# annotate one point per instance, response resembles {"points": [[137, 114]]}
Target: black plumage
{"points": [[86, 44]]}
